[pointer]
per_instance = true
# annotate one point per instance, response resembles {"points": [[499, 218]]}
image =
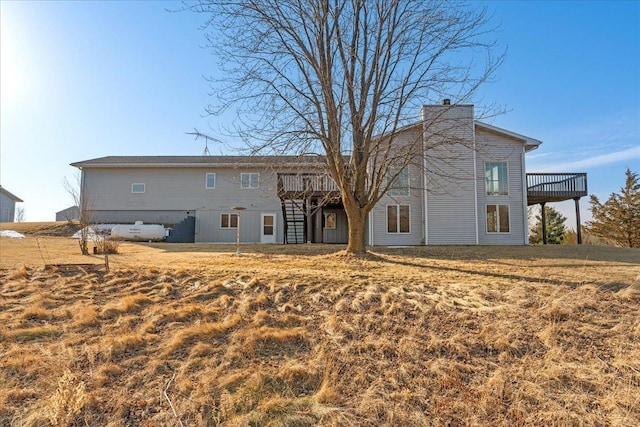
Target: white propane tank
{"points": [[138, 231]]}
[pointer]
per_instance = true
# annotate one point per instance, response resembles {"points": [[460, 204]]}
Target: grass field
{"points": [[302, 336]]}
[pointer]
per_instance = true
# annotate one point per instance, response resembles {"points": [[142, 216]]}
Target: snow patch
{"points": [[95, 232], [11, 234]]}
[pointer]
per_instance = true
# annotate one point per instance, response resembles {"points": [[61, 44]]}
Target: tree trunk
{"points": [[357, 228]]}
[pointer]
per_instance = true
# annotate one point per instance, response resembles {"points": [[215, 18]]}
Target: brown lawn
{"points": [[304, 336]]}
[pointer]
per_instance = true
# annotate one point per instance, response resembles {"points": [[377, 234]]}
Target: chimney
{"points": [[446, 101]]}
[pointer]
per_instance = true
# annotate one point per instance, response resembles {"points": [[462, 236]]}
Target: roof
{"points": [[530, 143], [199, 161], [9, 195], [69, 209]]}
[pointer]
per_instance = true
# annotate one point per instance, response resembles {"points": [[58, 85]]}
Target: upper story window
{"points": [[210, 180], [400, 185], [496, 182], [138, 188], [250, 180]]}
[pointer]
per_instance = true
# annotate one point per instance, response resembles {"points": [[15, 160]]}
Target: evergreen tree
{"points": [[618, 219], [555, 227]]}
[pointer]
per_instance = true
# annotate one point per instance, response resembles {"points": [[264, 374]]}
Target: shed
{"points": [[8, 205]]}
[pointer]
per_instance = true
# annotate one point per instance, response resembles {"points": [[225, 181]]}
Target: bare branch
{"points": [[345, 78]]}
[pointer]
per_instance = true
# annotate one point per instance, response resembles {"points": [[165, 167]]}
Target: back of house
{"points": [[469, 187]]}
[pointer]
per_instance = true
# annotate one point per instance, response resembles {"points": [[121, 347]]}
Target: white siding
{"points": [[450, 185], [172, 192], [493, 147], [378, 216]]}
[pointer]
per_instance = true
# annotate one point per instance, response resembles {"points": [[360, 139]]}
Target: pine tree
{"points": [[618, 219], [555, 227]]}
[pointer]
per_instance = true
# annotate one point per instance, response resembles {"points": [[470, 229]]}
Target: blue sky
{"points": [[89, 79]]}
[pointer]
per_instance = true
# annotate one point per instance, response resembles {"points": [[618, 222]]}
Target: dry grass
{"points": [[439, 336], [59, 228]]}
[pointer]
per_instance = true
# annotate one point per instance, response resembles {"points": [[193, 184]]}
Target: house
{"points": [[473, 191], [8, 205], [72, 213]]}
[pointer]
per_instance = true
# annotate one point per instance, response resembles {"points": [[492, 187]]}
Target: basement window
{"points": [[398, 219], [138, 188], [229, 220], [330, 221], [497, 218]]}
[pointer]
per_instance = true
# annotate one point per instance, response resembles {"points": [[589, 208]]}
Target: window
{"points": [[229, 220], [497, 218], [400, 185], [137, 188], [210, 180], [398, 219], [250, 180], [496, 182], [330, 221]]}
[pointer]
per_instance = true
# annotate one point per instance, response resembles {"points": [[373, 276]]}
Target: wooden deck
{"points": [[555, 187], [308, 186], [303, 197]]}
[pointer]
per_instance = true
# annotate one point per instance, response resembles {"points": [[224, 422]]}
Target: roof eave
{"points": [[11, 195], [81, 165], [529, 143]]}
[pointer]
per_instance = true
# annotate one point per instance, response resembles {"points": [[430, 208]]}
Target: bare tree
{"points": [[82, 199], [329, 76], [20, 214]]}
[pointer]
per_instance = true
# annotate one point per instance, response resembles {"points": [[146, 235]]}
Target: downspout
{"points": [[524, 196], [83, 206], [425, 216], [370, 219], [475, 179]]}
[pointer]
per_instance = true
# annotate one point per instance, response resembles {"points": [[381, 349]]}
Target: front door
{"points": [[268, 228]]}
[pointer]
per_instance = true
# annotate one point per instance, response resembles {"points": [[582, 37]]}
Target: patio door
{"points": [[267, 228]]}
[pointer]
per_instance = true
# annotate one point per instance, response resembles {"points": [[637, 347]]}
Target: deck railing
{"points": [[555, 186], [300, 183]]}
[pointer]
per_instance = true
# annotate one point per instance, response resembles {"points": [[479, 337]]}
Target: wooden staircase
{"points": [[295, 221], [303, 195]]}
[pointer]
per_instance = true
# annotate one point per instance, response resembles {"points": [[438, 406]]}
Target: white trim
{"points": [[370, 218], [144, 188], [475, 183], [268, 238], [386, 216], [525, 210], [425, 211], [206, 180]]}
